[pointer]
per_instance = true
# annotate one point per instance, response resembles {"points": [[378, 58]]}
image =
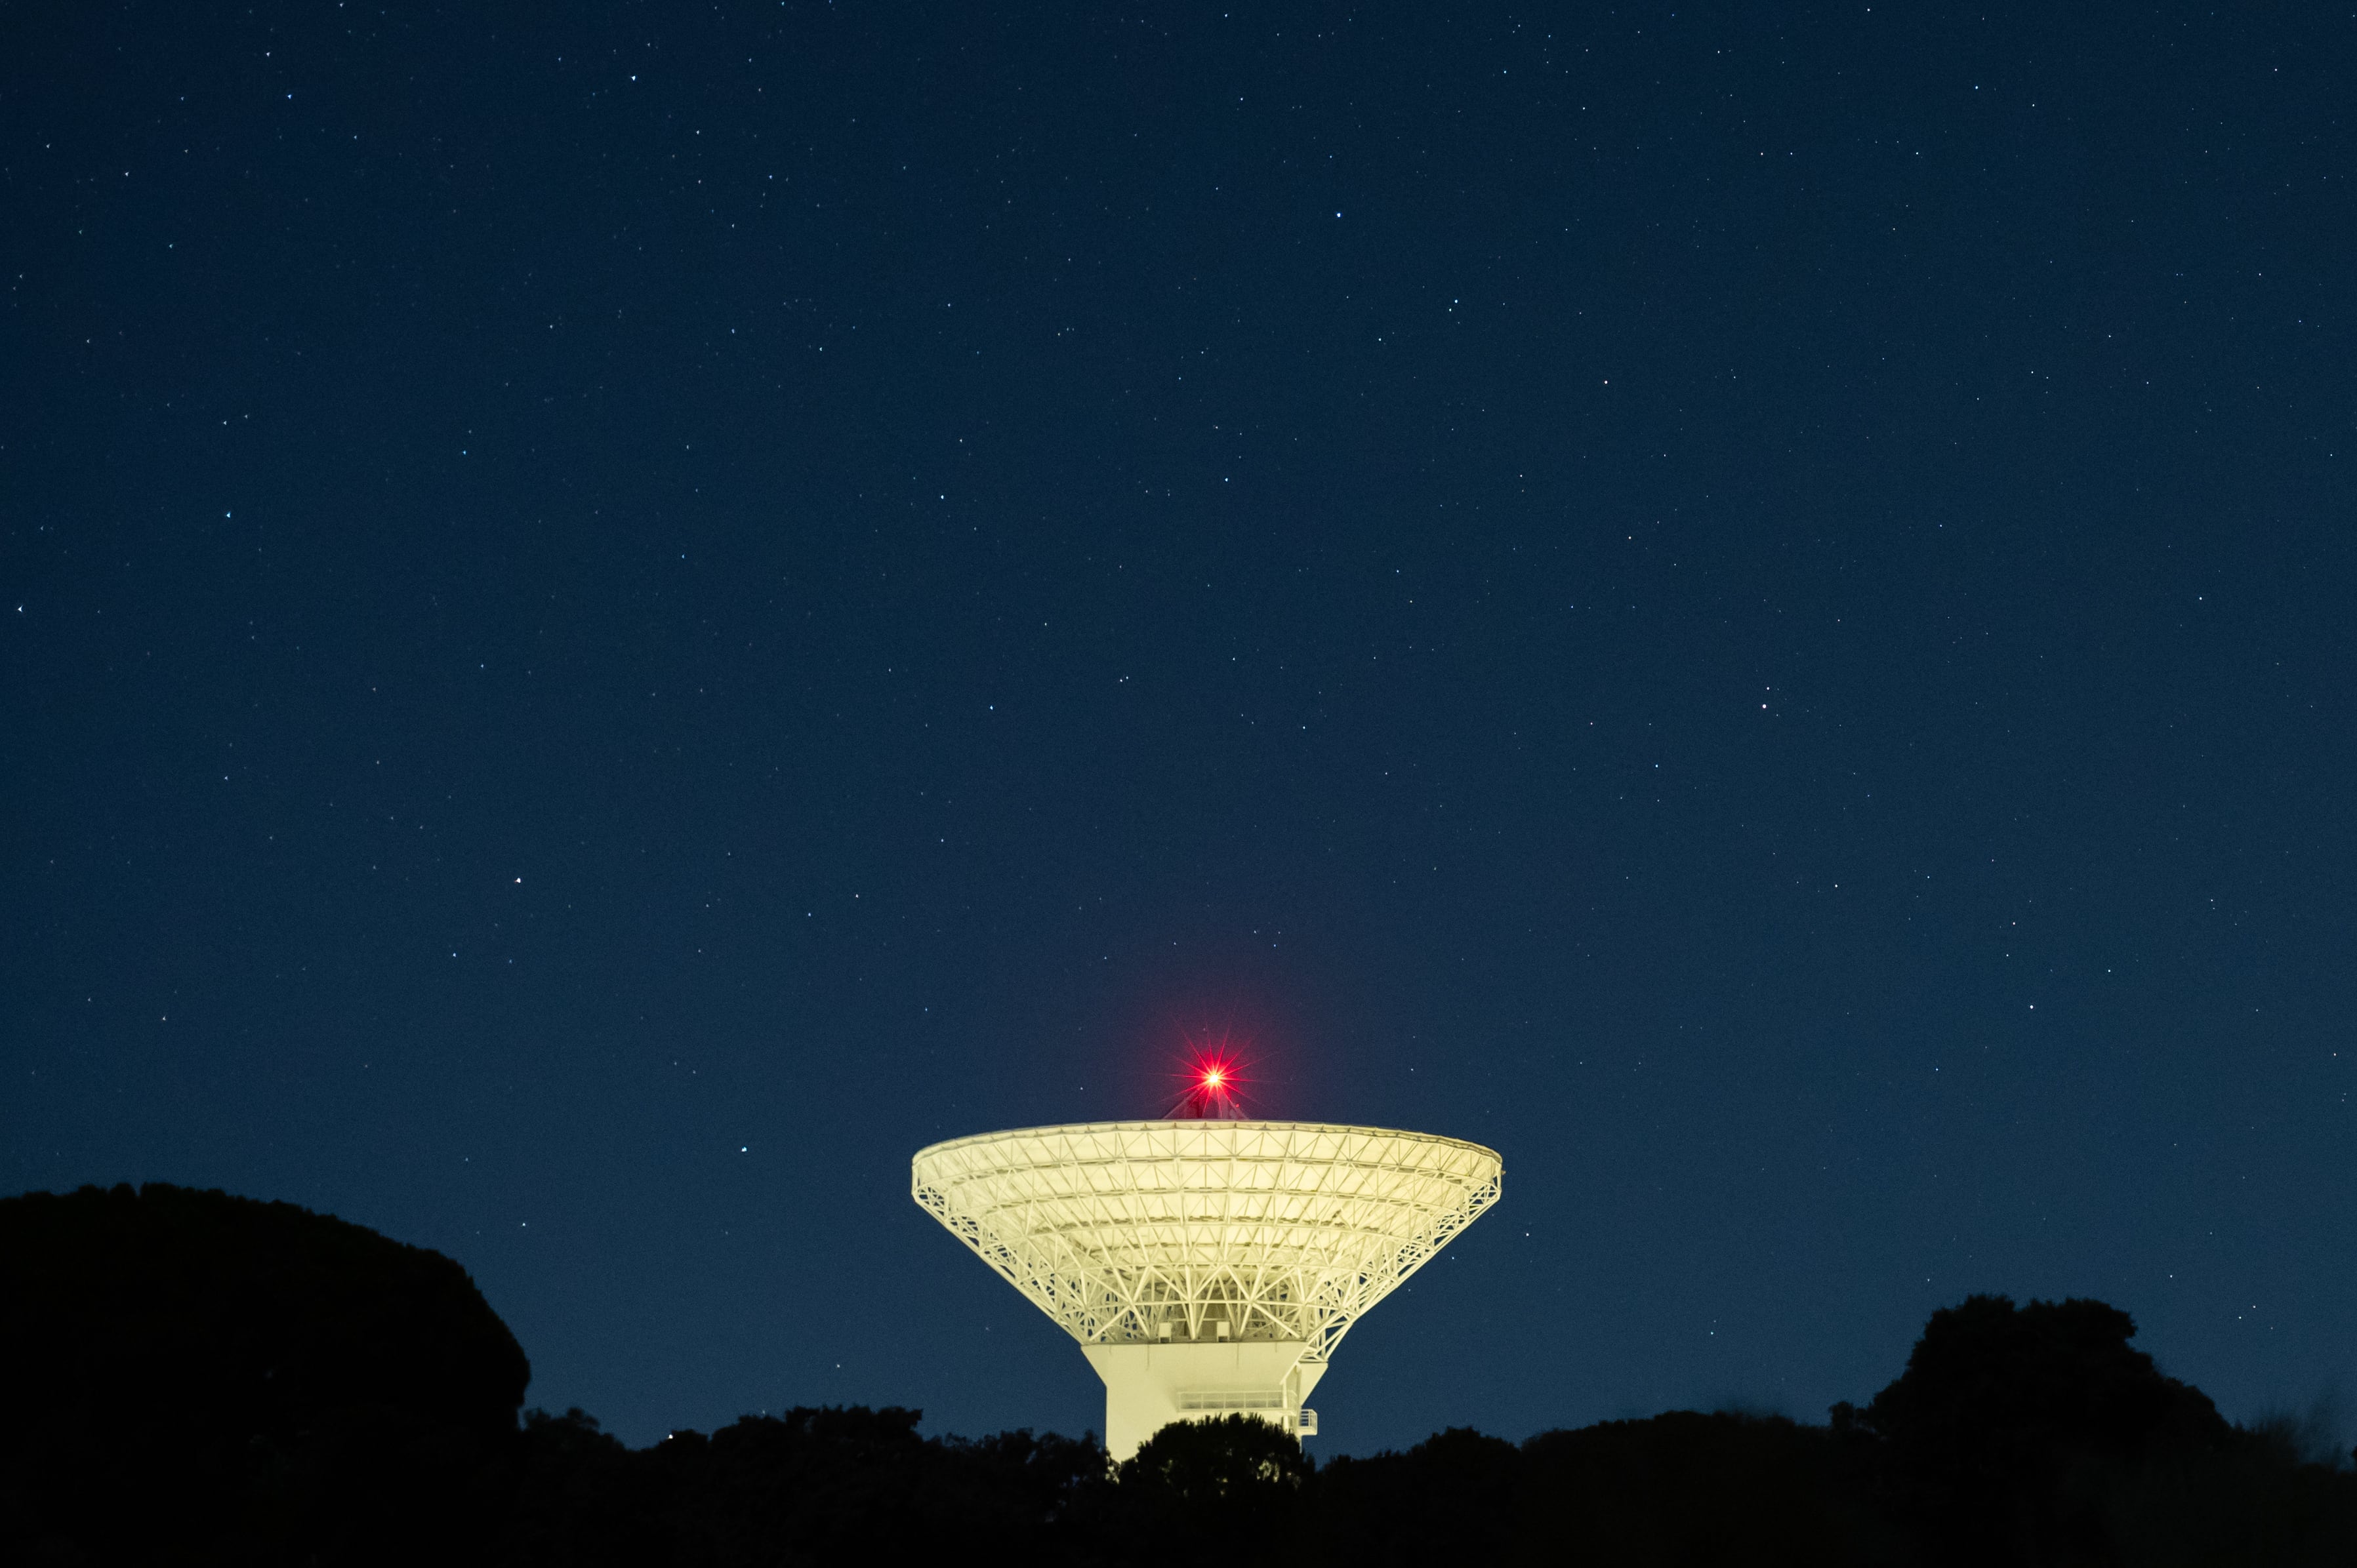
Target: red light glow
{"points": [[1213, 1079]]}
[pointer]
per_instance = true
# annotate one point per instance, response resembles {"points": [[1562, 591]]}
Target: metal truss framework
{"points": [[1144, 1232]]}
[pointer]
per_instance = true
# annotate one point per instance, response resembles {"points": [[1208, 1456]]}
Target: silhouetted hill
{"points": [[198, 1377], [195, 1378]]}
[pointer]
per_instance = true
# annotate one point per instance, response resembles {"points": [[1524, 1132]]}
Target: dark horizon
{"points": [[614, 622], [272, 1385]]}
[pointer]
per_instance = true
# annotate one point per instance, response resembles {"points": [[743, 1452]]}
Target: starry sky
{"points": [[615, 617]]}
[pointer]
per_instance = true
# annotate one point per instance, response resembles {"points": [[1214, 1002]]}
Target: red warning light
{"points": [[1212, 1080]]}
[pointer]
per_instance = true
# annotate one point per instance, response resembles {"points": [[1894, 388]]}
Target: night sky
{"points": [[613, 621]]}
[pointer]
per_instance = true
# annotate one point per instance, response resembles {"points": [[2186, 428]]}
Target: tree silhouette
{"points": [[1231, 1485], [1455, 1494], [193, 1375], [2012, 1429]]}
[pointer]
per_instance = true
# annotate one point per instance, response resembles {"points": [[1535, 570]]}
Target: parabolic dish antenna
{"points": [[1205, 1266]]}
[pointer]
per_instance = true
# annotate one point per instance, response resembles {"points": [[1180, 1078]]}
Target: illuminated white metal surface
{"points": [[1205, 1266]]}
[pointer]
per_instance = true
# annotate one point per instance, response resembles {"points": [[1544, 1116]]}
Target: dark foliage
{"points": [[1456, 1492], [1677, 1489], [1200, 1487], [2014, 1431], [810, 1486], [198, 1378], [581, 1498], [1692, 1488]]}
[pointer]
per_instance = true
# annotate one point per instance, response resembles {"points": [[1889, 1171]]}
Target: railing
{"points": [[1232, 1398]]}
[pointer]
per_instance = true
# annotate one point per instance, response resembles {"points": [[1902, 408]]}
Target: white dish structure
{"points": [[1206, 1267]]}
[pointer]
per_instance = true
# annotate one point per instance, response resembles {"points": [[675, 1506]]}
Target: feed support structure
{"points": [[1206, 1267]]}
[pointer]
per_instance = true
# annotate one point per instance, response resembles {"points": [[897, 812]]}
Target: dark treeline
{"points": [[195, 1378]]}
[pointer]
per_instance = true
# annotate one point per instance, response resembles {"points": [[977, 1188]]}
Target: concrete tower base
{"points": [[1147, 1387]]}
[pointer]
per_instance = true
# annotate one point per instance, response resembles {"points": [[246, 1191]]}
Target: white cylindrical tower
{"points": [[1206, 1266]]}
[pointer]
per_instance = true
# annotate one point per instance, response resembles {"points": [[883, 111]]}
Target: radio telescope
{"points": [[1206, 1263]]}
